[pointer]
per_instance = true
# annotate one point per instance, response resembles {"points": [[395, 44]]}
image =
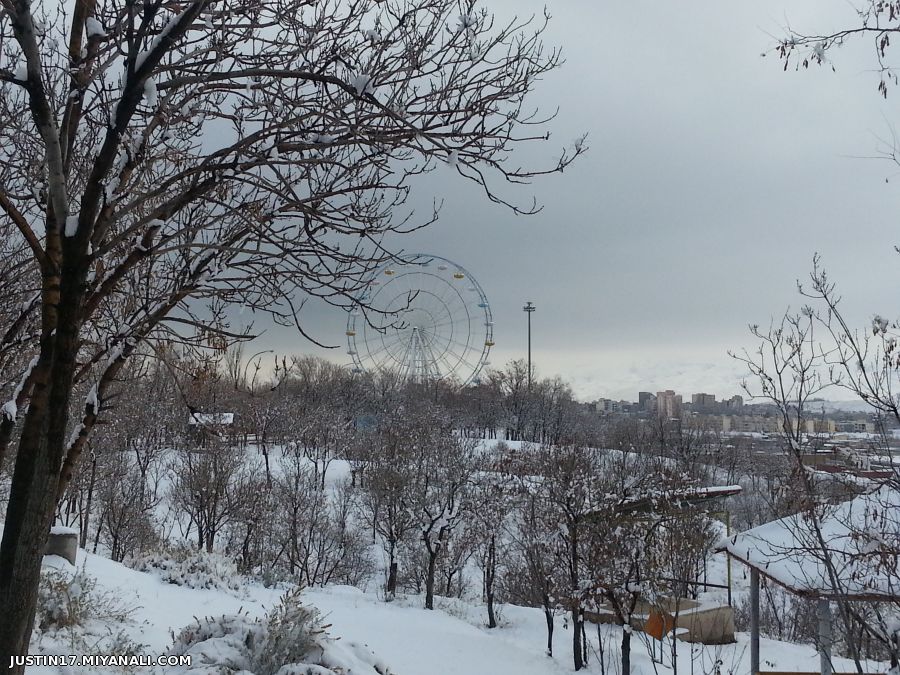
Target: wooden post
{"points": [[754, 621], [824, 612]]}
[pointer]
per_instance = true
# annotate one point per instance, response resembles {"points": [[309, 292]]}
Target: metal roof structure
{"points": [[846, 551]]}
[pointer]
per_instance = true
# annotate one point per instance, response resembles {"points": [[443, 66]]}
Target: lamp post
{"points": [[528, 309]]}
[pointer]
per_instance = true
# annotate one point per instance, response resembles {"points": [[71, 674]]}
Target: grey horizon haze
{"points": [[712, 179]]}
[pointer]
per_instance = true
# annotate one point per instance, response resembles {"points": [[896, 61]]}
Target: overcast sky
{"points": [[712, 179]]}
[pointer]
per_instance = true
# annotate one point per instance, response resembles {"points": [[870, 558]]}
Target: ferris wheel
{"points": [[426, 318]]}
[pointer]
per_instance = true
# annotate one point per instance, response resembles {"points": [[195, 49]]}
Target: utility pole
{"points": [[528, 309]]}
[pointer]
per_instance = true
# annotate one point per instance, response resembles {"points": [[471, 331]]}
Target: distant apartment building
{"points": [[605, 406], [857, 426], [646, 401], [825, 425], [668, 404], [819, 426], [750, 424], [735, 402], [703, 400]]}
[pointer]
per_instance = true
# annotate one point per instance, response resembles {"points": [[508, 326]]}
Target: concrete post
{"points": [[824, 612], [62, 542], [754, 621]]}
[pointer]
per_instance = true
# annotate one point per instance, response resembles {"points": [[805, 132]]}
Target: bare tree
{"points": [[866, 364], [563, 478], [529, 577], [493, 503], [127, 493], [441, 496], [315, 540], [386, 499], [321, 434], [791, 366], [512, 383], [123, 478], [163, 162], [19, 285], [211, 487]]}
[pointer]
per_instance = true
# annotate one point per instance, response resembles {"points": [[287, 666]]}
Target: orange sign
{"points": [[658, 625]]}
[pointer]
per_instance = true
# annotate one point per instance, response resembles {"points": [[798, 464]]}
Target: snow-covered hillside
{"points": [[451, 640]]}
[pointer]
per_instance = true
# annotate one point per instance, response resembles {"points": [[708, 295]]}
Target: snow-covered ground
{"points": [[450, 640]]}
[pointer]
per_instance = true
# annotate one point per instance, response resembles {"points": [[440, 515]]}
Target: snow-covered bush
{"points": [[184, 566], [289, 640], [67, 599], [75, 615], [292, 631], [223, 644]]}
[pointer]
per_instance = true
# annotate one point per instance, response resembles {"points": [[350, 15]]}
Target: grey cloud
{"points": [[712, 179]]}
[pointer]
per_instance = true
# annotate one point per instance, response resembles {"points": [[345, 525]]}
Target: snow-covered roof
{"points": [[678, 499], [845, 550], [209, 419]]}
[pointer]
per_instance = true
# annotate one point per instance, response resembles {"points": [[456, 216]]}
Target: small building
{"points": [[689, 620], [205, 426]]}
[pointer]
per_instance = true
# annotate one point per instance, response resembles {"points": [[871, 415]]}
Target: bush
{"points": [[73, 615], [292, 633], [188, 567], [289, 640], [219, 644], [67, 600]]}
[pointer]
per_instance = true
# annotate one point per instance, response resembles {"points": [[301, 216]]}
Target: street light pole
{"points": [[528, 309]]}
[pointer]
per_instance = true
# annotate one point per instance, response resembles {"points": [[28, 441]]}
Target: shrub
{"points": [[183, 566], [219, 644], [292, 633], [74, 615], [289, 640], [66, 600]]}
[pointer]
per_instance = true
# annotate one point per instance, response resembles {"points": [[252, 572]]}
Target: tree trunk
{"points": [[245, 549], [584, 643], [626, 650], [576, 637], [114, 551], [429, 581], [490, 572], [28, 519], [576, 601], [86, 518], [98, 532], [39, 459], [548, 616], [265, 454], [492, 617], [600, 650], [391, 589]]}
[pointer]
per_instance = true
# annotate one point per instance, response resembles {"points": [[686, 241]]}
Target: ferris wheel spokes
{"points": [[437, 322]]}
